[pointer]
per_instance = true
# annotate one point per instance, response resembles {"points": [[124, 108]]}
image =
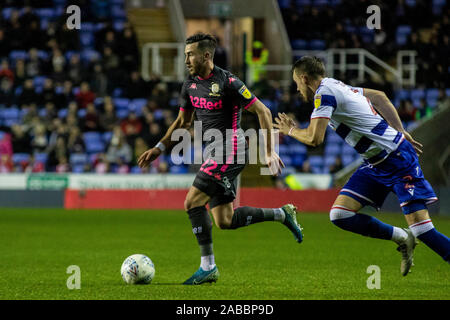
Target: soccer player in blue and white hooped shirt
{"points": [[389, 153]]}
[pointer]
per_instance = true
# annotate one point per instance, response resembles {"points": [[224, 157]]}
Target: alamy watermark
{"points": [[374, 281], [74, 280], [374, 21]]}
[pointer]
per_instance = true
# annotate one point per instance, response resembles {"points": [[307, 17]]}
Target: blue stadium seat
{"points": [[91, 136], [62, 114], [302, 3], [417, 94], [297, 160], [437, 6], [117, 93], [107, 137], [298, 149], [41, 157], [87, 40], [78, 159], [10, 113], [38, 81], [122, 113], [70, 53], [333, 138], [316, 161], [88, 55], [135, 170], [18, 158], [317, 44], [410, 3], [284, 4], [178, 169], [10, 122], [117, 12], [121, 103], [299, 44], [6, 13], [402, 34], [79, 168], [18, 54], [320, 3], [283, 149], [43, 54], [432, 93], [367, 34], [81, 113], [94, 146], [332, 149], [2, 135], [287, 160], [46, 13], [346, 160], [329, 160], [347, 150], [119, 25], [403, 94], [87, 27]]}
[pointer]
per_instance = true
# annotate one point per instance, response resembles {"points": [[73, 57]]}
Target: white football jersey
{"points": [[353, 118]]}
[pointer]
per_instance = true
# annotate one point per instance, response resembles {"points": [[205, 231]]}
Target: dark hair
{"points": [[310, 65], [205, 42]]}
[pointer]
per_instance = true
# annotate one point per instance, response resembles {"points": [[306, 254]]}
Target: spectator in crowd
{"points": [[50, 114], [135, 87], [129, 52], [220, 55], [119, 148], [336, 166], [39, 141], [34, 166], [28, 95], [306, 167], [108, 119], [85, 96], [20, 74], [99, 81], [15, 32], [139, 148], [153, 134], [91, 121], [75, 142], [75, 70], [101, 164], [5, 70], [6, 92], [6, 163], [33, 65], [58, 151], [68, 39], [63, 165], [58, 64], [48, 93], [406, 111], [111, 64], [4, 43], [131, 127], [66, 96]]}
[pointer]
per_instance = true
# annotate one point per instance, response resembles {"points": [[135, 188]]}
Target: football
{"points": [[137, 269]]}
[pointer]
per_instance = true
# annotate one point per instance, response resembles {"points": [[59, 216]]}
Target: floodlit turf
{"points": [[261, 261]]}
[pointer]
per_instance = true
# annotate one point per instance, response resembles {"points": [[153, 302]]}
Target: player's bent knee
{"points": [[339, 213]]}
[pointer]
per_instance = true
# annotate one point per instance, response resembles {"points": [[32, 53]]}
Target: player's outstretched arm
{"points": [[312, 136], [184, 120], [265, 121], [387, 110]]}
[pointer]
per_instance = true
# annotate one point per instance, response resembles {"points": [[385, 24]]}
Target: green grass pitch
{"points": [[261, 261]]}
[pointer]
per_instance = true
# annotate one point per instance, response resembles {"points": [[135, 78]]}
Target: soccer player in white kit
{"points": [[389, 153]]}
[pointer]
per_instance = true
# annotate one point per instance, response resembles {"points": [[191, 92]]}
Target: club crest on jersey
{"points": [[317, 100], [215, 88], [245, 92], [193, 86]]}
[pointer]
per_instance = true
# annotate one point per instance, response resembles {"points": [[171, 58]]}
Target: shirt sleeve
{"points": [[242, 95], [324, 104], [185, 99]]}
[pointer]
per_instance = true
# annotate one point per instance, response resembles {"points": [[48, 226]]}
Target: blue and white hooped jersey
{"points": [[353, 118]]}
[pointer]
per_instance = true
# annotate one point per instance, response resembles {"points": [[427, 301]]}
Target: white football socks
{"points": [[207, 262], [278, 214], [399, 235]]}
